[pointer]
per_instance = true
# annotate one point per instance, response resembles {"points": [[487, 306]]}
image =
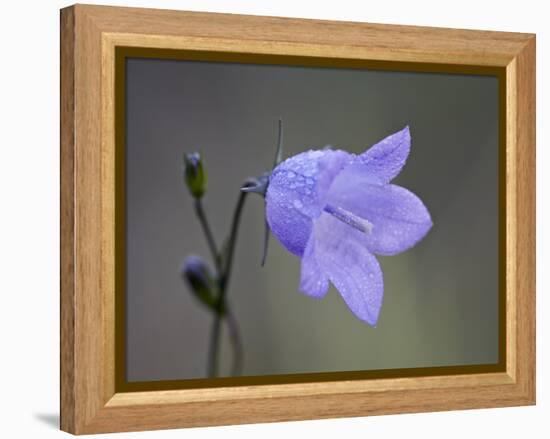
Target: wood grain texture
{"points": [[67, 254], [89, 37], [525, 178], [372, 41]]}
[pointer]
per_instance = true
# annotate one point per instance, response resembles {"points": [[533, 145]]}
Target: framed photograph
{"points": [[268, 219]]}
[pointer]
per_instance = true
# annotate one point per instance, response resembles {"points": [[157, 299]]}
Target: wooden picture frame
{"points": [[91, 400]]}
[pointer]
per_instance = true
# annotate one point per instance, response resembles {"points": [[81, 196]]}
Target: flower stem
{"points": [[223, 309], [226, 271], [199, 210], [235, 339]]}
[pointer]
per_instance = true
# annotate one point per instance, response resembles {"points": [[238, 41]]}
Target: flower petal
{"points": [[296, 193], [354, 271], [289, 225], [313, 281], [399, 218], [328, 168], [387, 157]]}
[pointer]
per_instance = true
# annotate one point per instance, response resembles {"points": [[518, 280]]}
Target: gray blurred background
{"points": [[440, 301]]}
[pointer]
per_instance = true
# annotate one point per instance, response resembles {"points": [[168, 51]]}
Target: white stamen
{"points": [[349, 218]]}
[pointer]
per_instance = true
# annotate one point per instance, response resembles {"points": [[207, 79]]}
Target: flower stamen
{"points": [[349, 218]]}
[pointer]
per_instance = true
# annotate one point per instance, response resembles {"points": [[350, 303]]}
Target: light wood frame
{"points": [[89, 36]]}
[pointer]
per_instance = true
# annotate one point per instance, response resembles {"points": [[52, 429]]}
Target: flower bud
{"points": [[195, 176], [198, 277]]}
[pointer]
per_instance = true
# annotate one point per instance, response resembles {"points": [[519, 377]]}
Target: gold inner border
{"points": [[122, 53]]}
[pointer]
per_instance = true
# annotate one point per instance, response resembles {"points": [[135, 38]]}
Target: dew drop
{"points": [[298, 204]]}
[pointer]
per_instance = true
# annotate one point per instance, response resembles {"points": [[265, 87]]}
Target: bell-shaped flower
{"points": [[337, 210]]}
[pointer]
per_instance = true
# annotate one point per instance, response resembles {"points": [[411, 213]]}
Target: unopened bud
{"points": [[195, 175], [198, 277]]}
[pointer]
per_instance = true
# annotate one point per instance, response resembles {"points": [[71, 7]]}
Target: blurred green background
{"points": [[441, 297]]}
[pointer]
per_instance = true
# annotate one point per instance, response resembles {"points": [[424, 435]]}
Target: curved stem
{"points": [[208, 233], [231, 245], [236, 343], [224, 276]]}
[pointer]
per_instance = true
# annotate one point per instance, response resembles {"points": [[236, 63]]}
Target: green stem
{"points": [[207, 233], [231, 245], [215, 333], [223, 308]]}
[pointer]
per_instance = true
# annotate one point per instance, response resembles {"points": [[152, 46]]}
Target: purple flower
{"points": [[336, 210]]}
